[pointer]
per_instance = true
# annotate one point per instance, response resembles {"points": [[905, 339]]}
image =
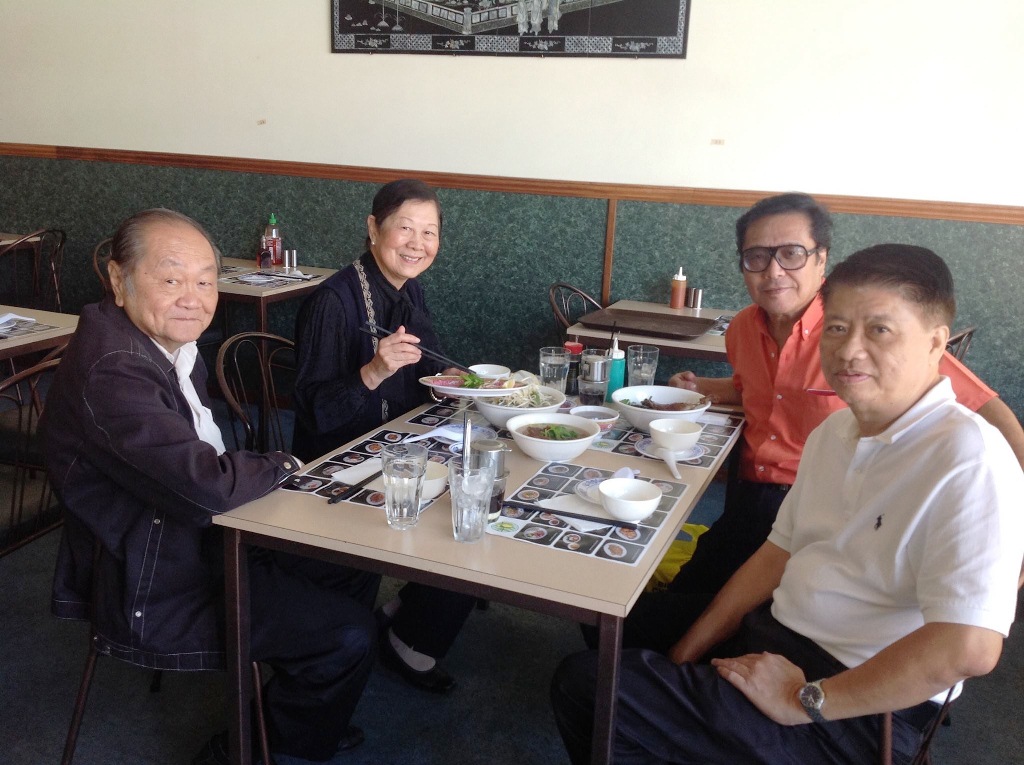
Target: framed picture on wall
{"points": [[607, 28]]}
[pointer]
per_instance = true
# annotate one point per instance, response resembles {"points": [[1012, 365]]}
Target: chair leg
{"points": [[156, 681], [885, 744], [261, 722], [79, 711]]}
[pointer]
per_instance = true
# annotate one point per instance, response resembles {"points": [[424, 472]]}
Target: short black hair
{"points": [[921, 276], [780, 204], [391, 196]]}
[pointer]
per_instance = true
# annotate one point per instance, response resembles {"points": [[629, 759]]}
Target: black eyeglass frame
{"points": [[773, 253]]}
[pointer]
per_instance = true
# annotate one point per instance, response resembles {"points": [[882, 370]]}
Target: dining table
{"points": [[241, 281], [635, 316], [51, 329], [523, 568]]}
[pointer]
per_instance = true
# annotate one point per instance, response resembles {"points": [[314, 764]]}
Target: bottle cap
{"points": [[615, 353], [680, 276], [273, 222], [573, 347]]}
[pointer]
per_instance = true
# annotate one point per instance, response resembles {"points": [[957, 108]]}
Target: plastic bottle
{"points": [[678, 296], [575, 351], [617, 371], [272, 241]]}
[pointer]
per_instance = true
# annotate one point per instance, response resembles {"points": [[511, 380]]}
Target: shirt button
{"points": [[772, 437], [772, 354], [138, 613], [156, 521], [760, 468], [288, 466], [779, 396]]}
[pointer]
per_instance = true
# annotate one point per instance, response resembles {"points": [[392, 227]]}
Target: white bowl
{"points": [[675, 435], [545, 449], [499, 416], [604, 416], [490, 371], [629, 499], [640, 418], [435, 480]]}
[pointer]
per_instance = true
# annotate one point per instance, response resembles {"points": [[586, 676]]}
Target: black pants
{"points": [[313, 623], [688, 714], [430, 618]]}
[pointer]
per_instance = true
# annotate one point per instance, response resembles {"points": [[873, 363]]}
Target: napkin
{"points": [[573, 504], [9, 317], [357, 473]]}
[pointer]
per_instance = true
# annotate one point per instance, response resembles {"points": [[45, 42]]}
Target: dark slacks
{"points": [[688, 714], [430, 618], [313, 623]]}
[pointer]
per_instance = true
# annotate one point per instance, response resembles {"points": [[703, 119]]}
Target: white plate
{"points": [[459, 392], [588, 490], [647, 448]]}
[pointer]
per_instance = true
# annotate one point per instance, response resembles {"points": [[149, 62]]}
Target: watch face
{"points": [[812, 696]]}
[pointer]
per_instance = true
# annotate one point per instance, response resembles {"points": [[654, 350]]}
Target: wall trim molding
{"points": [[899, 208]]}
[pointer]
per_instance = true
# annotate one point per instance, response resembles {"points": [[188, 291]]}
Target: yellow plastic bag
{"points": [[678, 553]]}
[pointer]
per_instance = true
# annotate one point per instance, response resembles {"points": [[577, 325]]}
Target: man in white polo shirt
{"points": [[888, 578]]}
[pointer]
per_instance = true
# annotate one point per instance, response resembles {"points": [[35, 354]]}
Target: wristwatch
{"points": [[812, 697]]}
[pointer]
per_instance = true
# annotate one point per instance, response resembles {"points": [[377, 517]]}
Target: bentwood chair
{"points": [[256, 372], [47, 249], [960, 342], [100, 258], [568, 303], [923, 755]]}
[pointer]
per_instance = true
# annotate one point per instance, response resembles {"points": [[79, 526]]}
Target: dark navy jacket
{"points": [[124, 458]]}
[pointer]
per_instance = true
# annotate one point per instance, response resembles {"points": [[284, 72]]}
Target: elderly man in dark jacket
{"points": [[138, 462]]}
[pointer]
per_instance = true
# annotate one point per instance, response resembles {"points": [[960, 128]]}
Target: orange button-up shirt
{"points": [[773, 387]]}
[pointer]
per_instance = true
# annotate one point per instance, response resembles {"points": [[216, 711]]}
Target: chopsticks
{"points": [[352, 490], [567, 514], [374, 330]]}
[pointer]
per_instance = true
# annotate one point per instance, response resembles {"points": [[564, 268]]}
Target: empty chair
{"points": [[100, 258], [256, 372], [46, 247], [568, 303], [960, 342]]}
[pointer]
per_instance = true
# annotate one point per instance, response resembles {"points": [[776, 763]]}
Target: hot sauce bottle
{"points": [[677, 299]]}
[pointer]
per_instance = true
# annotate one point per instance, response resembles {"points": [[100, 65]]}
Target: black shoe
{"points": [[435, 680], [383, 620]]}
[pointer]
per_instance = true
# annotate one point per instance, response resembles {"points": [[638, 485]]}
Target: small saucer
{"points": [[588, 490], [647, 448]]}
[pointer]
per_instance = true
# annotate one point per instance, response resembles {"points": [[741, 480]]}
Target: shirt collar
{"points": [[804, 327], [183, 359], [938, 396]]}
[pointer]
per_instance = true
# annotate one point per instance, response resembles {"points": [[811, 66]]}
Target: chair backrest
{"points": [[960, 342], [256, 372], [568, 303], [100, 258], [47, 249], [32, 511]]}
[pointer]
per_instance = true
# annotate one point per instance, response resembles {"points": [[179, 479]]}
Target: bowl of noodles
{"points": [[533, 399]]}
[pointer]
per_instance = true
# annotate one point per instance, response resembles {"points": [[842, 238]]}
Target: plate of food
{"points": [[471, 385]]}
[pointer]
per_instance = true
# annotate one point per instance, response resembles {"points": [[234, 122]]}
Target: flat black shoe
{"points": [[435, 680]]}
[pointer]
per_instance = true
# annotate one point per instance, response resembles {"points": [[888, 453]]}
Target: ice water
{"points": [[471, 497], [553, 371], [643, 374], [403, 483]]}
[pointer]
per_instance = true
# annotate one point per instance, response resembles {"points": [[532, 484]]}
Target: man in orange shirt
{"points": [[783, 243]]}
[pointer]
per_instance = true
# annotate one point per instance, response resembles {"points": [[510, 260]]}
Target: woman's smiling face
{"points": [[405, 243]]}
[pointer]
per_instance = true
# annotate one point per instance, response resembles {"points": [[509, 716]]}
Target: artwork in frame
{"points": [[607, 28]]}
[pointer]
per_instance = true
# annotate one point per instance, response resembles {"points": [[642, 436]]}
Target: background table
{"points": [[709, 347], [264, 296], [569, 585], [37, 341]]}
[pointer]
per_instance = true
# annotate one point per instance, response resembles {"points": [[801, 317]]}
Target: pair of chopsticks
{"points": [[352, 490], [567, 514], [376, 331]]}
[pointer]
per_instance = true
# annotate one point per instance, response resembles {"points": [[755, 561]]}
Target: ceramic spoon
{"points": [[670, 460]]}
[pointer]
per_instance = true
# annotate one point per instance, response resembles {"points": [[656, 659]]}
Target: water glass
{"points": [[404, 466], [554, 367], [470, 489], [641, 364]]}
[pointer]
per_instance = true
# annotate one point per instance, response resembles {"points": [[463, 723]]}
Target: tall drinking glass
{"points": [[641, 364], [554, 367], [404, 467], [470, 489]]}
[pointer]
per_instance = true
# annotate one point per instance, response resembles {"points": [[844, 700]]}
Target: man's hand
{"points": [[771, 683], [685, 380], [393, 352], [720, 390]]}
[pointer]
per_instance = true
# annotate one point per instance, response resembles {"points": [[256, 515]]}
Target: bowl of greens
{"points": [[533, 399], [552, 437]]}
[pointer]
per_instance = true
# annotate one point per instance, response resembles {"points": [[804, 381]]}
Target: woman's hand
{"points": [[393, 352]]}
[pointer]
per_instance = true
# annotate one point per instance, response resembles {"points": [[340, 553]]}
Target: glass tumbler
{"points": [[403, 466], [470, 489]]}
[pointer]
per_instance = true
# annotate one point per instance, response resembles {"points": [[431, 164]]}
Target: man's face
{"points": [[879, 352], [173, 291], [784, 294]]}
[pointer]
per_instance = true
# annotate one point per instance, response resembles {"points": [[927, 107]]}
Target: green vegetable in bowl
{"points": [[471, 380]]}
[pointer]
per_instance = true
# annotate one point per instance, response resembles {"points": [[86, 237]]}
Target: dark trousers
{"points": [[688, 714], [430, 618], [313, 623]]}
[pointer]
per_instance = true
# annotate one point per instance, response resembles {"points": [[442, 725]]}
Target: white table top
{"points": [[576, 580], [65, 324]]}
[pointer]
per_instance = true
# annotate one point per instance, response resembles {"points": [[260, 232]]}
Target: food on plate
{"points": [[678, 406], [471, 381], [528, 397], [551, 432]]}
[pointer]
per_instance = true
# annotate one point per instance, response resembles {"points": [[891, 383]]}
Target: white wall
{"points": [[917, 99]]}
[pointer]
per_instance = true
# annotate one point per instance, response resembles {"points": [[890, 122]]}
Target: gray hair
{"points": [[128, 245]]}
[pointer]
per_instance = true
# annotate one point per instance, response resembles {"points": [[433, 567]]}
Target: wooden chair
{"points": [[960, 342], [100, 258], [32, 511], [568, 303], [923, 755], [256, 372], [47, 249]]}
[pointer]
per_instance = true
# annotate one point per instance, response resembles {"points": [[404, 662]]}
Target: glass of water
{"points": [[641, 364], [470, 489], [554, 367], [404, 467]]}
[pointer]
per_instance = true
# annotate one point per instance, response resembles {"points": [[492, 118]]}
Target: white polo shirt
{"points": [[921, 523]]}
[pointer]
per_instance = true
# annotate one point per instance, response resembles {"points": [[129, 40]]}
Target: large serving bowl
{"points": [[545, 449], [640, 418], [629, 499], [499, 416]]}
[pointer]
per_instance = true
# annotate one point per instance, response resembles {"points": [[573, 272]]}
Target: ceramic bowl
{"points": [[545, 449], [435, 480], [675, 435], [604, 416], [629, 499], [640, 418], [499, 416]]}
